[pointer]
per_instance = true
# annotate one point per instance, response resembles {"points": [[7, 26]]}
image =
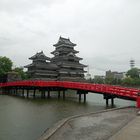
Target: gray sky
{"points": [[107, 32]]}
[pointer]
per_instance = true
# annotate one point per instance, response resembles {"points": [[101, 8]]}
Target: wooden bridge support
{"points": [[80, 92], [10, 91], [138, 100], [48, 96], [59, 94], [63, 94], [106, 102], [79, 97], [16, 91], [23, 92], [43, 94], [27, 93], [7, 91], [34, 93], [112, 101], [4, 90], [1, 91], [107, 97], [85, 97]]}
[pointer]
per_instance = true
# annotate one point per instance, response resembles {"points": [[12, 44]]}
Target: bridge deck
{"points": [[119, 91]]}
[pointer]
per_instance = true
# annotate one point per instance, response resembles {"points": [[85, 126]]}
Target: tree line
{"points": [[132, 76], [6, 65]]}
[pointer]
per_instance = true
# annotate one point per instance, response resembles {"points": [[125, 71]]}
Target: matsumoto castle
{"points": [[64, 65]]}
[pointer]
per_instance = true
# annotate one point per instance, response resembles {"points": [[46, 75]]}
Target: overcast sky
{"points": [[107, 32]]}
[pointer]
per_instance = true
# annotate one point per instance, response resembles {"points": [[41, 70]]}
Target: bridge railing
{"points": [[101, 88]]}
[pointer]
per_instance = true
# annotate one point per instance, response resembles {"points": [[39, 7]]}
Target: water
{"points": [[27, 119]]}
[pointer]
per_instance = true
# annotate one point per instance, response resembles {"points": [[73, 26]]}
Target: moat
{"points": [[27, 119]]}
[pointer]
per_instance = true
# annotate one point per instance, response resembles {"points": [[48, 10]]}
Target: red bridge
{"points": [[109, 92]]}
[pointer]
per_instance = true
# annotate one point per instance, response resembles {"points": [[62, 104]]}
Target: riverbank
{"points": [[130, 132], [93, 126]]}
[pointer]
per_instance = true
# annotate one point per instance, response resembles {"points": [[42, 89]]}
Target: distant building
{"points": [[115, 74]]}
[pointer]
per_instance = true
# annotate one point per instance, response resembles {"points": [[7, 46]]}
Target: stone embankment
{"points": [[93, 126]]}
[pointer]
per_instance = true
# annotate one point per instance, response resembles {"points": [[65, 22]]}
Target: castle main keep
{"points": [[64, 65]]}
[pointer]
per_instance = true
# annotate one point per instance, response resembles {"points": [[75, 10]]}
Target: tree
{"points": [[133, 73], [109, 80], [5, 65], [99, 80], [20, 71], [128, 81]]}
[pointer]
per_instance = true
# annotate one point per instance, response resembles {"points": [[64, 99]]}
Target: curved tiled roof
{"points": [[39, 55], [64, 41]]}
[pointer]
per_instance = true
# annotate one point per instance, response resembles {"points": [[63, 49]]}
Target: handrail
{"points": [[101, 88]]}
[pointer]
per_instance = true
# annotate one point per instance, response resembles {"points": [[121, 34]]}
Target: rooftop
{"points": [[64, 41], [39, 55]]}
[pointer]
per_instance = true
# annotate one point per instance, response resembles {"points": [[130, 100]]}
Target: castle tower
{"points": [[69, 67], [40, 69]]}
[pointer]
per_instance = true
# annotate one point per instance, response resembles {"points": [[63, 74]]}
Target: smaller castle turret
{"points": [[41, 68]]}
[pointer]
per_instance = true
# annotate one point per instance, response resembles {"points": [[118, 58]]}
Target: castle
{"points": [[64, 65]]}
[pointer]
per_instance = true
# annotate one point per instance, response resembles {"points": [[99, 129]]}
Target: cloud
{"points": [[106, 32], [24, 6]]}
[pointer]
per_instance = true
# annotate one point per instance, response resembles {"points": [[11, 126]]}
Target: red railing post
{"points": [[138, 100]]}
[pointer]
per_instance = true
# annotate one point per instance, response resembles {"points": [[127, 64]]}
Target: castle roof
{"points": [[39, 55], [64, 41]]}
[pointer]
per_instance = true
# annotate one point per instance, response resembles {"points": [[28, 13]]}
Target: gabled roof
{"points": [[64, 41], [39, 55]]}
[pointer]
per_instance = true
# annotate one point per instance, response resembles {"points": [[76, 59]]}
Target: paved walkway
{"points": [[99, 126], [129, 132]]}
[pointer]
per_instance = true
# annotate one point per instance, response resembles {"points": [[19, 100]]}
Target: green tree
{"points": [[137, 81], [128, 81], [133, 73], [109, 80], [20, 71], [98, 80], [5, 65]]}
